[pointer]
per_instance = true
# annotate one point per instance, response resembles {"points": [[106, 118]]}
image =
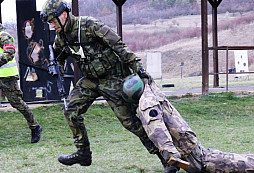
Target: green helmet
{"points": [[132, 89], [52, 9]]}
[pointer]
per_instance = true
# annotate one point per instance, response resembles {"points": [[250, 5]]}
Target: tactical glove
{"points": [[144, 74]]}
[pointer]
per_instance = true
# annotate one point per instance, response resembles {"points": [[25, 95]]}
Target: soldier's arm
{"points": [[113, 40], [7, 43]]}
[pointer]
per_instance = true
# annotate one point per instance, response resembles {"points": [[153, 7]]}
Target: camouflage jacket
{"points": [[6, 39], [163, 123], [103, 51]]}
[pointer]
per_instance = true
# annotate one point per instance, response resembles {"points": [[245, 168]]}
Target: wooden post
{"points": [[75, 12], [1, 94], [215, 45], [119, 21], [119, 4], [1, 11], [205, 61]]}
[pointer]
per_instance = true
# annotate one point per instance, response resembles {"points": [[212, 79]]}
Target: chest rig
{"points": [[97, 60]]}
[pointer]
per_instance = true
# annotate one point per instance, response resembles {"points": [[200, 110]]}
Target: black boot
{"points": [[36, 134], [83, 157], [167, 168], [170, 169]]}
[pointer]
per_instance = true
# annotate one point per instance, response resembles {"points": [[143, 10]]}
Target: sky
{"points": [[8, 8]]}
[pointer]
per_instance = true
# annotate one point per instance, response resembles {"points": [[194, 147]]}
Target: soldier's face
{"points": [[55, 24]]}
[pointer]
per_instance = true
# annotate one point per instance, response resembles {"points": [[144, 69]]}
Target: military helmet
{"points": [[132, 89], [52, 9]]}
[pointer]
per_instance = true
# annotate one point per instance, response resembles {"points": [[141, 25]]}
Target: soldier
{"points": [[104, 60], [9, 85], [171, 134]]}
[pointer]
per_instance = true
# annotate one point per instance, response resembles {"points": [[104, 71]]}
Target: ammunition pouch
{"points": [[100, 64]]}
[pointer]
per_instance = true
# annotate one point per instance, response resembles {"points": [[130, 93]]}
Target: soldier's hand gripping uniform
{"points": [[9, 85], [104, 60], [171, 134]]}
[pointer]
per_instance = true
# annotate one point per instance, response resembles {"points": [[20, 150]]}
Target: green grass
{"points": [[221, 121], [196, 82]]}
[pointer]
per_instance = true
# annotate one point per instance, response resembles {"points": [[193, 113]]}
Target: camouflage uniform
{"points": [[9, 84], [104, 60], [170, 132]]}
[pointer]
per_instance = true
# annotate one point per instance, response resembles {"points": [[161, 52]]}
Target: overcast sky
{"points": [[8, 8]]}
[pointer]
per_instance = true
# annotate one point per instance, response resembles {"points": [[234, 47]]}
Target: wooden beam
{"points": [[215, 45], [211, 2], [1, 12], [119, 20], [75, 7], [219, 3], [75, 12], [205, 61], [116, 2], [122, 2], [119, 4]]}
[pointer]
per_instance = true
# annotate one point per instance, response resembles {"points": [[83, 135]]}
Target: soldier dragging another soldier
{"points": [[104, 60]]}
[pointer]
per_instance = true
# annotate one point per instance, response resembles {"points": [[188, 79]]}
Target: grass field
{"points": [[221, 121], [196, 81]]}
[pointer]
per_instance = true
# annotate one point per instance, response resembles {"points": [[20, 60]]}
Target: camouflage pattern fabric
{"points": [[163, 123], [217, 161], [83, 95], [169, 131], [12, 92], [6, 38], [105, 61], [49, 9], [103, 51]]}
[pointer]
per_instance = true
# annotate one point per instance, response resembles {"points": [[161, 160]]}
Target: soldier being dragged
{"points": [[173, 136]]}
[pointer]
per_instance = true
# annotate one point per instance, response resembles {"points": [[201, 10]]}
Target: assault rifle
{"points": [[54, 70]]}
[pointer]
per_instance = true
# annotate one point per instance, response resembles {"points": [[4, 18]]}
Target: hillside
{"points": [[189, 50]]}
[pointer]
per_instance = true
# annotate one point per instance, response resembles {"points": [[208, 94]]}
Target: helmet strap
{"points": [[62, 27]]}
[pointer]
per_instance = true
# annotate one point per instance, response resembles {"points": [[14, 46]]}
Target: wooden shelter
{"points": [[205, 49]]}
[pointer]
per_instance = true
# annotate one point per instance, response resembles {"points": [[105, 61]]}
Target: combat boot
{"points": [[82, 157], [167, 168], [173, 159], [36, 134]]}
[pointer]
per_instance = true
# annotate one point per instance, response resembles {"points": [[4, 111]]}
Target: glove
{"points": [[144, 74]]}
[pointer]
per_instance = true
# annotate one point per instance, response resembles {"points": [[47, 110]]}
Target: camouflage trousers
{"points": [[216, 161], [84, 94], [204, 160], [170, 132], [12, 92]]}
